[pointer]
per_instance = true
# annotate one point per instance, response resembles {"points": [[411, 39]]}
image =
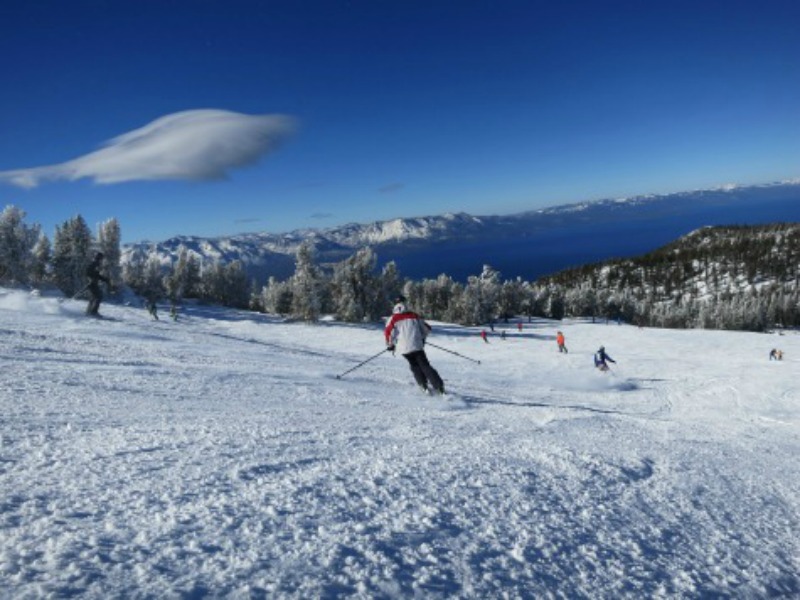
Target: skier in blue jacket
{"points": [[601, 359]]}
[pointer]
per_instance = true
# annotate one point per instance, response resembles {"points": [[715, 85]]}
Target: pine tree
{"points": [[152, 287], [41, 261], [108, 242], [235, 285], [212, 282], [133, 270], [72, 248], [276, 297], [182, 280], [17, 241], [354, 288], [480, 297], [306, 284]]}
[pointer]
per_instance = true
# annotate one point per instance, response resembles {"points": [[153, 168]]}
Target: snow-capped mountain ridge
{"points": [[527, 244]]}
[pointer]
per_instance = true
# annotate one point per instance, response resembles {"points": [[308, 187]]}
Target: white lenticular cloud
{"points": [[192, 145]]}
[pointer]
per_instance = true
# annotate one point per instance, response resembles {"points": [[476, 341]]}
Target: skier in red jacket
{"points": [[406, 332]]}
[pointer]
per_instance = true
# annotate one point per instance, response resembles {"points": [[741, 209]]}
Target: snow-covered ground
{"points": [[219, 455]]}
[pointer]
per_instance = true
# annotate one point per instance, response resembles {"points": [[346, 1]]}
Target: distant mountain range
{"points": [[526, 245]]}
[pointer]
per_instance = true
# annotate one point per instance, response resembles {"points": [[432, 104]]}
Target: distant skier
{"points": [[776, 354], [406, 332], [484, 337], [152, 308], [561, 343], [519, 326], [173, 312], [95, 277], [601, 359]]}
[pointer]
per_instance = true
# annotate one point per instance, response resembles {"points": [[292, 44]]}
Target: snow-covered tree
{"points": [[306, 285], [276, 297], [152, 287], [17, 241], [183, 279], [72, 248], [355, 289], [479, 299], [226, 284], [389, 284], [108, 242], [41, 261]]}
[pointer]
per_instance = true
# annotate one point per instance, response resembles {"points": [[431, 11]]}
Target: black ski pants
{"points": [[95, 300], [424, 373]]}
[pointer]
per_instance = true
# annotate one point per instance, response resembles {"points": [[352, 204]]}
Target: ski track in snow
{"points": [[220, 456]]}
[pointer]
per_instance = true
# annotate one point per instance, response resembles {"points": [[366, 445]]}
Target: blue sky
{"points": [[384, 109]]}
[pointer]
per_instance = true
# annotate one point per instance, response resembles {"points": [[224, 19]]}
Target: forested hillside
{"points": [[735, 277], [743, 277]]}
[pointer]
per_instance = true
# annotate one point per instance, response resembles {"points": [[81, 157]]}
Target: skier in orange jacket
{"points": [[561, 343]]}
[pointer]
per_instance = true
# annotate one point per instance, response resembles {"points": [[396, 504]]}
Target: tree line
{"points": [[744, 278], [724, 277]]}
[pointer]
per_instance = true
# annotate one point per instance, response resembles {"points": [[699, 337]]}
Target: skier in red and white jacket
{"points": [[405, 333]]}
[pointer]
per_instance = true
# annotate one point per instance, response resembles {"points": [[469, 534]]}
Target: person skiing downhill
{"points": [[95, 277], [406, 332], [561, 343], [601, 359]]}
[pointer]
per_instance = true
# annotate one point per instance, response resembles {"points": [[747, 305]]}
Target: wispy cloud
{"points": [[392, 187], [192, 145]]}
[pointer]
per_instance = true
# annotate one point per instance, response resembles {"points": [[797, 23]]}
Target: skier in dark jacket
{"points": [[406, 332], [601, 359], [95, 277]]}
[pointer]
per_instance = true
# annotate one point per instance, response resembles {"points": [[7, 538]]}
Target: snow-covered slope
{"points": [[219, 455]]}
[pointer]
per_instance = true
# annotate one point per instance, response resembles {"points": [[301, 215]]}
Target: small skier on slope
{"points": [[95, 277], [561, 342], [406, 332], [601, 359]]}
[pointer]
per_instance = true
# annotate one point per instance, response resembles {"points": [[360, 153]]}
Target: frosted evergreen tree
{"points": [[16, 246], [133, 270], [276, 297], [212, 282], [227, 285], [306, 285], [480, 296], [41, 260], [236, 285], [438, 297], [72, 248], [390, 284], [108, 242], [355, 290], [191, 276], [509, 298], [183, 279], [153, 278]]}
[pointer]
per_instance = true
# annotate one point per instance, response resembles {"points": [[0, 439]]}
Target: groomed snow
{"points": [[220, 456]]}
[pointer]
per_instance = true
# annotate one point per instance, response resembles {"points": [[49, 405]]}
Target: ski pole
{"points": [[451, 352], [361, 364], [75, 295], [86, 287]]}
